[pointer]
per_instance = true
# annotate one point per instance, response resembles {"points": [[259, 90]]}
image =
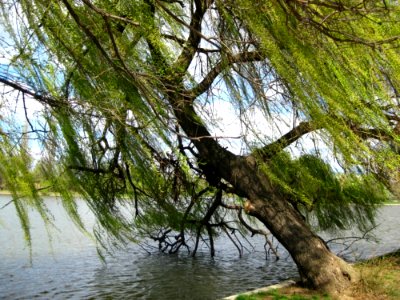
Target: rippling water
{"points": [[69, 267]]}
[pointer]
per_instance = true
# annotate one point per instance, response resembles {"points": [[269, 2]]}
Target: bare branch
{"points": [[206, 222], [233, 241], [255, 231], [349, 241]]}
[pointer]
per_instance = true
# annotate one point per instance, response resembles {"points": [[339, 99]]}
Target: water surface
{"points": [[68, 267]]}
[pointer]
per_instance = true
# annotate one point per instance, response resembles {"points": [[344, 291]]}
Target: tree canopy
{"points": [[129, 91]]}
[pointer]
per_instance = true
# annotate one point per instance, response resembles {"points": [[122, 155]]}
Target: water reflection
{"points": [[72, 269]]}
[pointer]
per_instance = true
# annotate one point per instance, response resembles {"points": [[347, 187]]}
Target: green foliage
{"points": [[126, 86], [276, 295], [315, 66], [335, 201], [17, 178]]}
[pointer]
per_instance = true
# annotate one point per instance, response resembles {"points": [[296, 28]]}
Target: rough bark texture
{"points": [[318, 267]]}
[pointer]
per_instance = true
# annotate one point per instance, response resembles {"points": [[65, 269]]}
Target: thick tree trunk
{"points": [[318, 267]]}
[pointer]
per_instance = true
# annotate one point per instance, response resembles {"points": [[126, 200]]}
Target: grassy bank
{"points": [[380, 279]]}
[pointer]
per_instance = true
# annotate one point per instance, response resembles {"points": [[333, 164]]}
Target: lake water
{"points": [[68, 267]]}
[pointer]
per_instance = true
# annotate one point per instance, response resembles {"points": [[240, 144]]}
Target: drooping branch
{"points": [[211, 239], [372, 133], [89, 170], [114, 44], [255, 231], [86, 30], [206, 222], [240, 250], [309, 13], [195, 198], [348, 241]]}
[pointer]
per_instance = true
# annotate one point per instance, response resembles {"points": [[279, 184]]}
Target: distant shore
{"points": [[8, 193]]}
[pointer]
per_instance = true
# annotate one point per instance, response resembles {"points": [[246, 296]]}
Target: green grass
{"points": [[379, 279], [276, 295]]}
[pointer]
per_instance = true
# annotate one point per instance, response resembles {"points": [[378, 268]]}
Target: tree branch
{"points": [[43, 98], [206, 222], [191, 45], [293, 135], [94, 40], [372, 133], [108, 15], [311, 17], [205, 84], [87, 31], [255, 231]]}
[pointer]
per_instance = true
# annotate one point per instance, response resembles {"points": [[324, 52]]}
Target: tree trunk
{"points": [[318, 267]]}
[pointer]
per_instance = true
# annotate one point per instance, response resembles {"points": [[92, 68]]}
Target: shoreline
{"points": [[283, 284], [50, 194], [8, 193], [372, 262]]}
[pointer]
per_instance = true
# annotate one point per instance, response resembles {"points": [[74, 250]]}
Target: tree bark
{"points": [[318, 267]]}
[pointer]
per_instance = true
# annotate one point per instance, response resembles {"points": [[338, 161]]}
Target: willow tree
{"points": [[127, 90]]}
